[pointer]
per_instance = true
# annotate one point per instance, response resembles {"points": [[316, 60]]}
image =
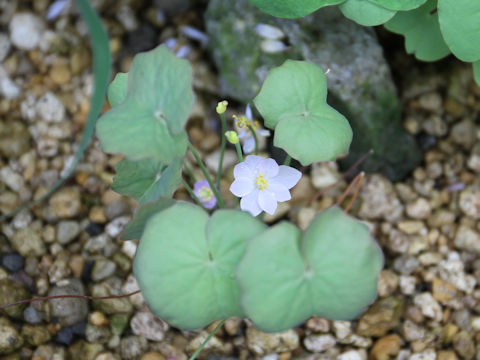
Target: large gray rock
{"points": [[359, 81]]}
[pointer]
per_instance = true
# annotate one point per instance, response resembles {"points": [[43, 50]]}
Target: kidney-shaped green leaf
{"points": [[147, 180], [421, 30], [150, 121], [117, 90], [399, 5], [292, 8], [365, 12], [185, 261], [460, 25], [293, 102], [134, 229], [331, 272]]}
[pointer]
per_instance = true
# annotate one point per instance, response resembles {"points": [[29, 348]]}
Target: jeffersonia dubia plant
{"points": [[432, 29], [194, 267]]}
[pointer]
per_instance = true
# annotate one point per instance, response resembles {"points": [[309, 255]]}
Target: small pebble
{"points": [[319, 343], [12, 262], [26, 30], [147, 325]]}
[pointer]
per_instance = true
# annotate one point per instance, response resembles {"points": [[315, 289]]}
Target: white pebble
{"points": [[26, 30], [429, 306], [424, 355], [273, 46], [50, 108], [8, 88], [269, 32], [352, 355]]}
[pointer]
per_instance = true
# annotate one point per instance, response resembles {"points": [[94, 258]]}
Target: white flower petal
{"points": [[249, 145], [243, 171], [267, 201], [269, 167], [242, 187], [288, 176], [253, 161], [250, 203], [280, 191]]}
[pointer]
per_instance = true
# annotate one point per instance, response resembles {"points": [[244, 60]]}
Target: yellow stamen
{"points": [[205, 194], [261, 182], [241, 122]]}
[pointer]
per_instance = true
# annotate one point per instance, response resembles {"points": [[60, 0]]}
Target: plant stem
{"points": [[250, 127], [189, 172], [207, 340], [192, 194], [239, 152], [221, 202], [222, 149], [288, 158]]}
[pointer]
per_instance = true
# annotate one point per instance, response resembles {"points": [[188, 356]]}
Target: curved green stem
{"points": [[220, 201], [192, 194], [288, 158], [195, 354], [239, 152], [222, 149], [189, 172], [250, 127]]}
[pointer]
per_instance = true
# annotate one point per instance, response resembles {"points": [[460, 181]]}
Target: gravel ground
{"points": [[428, 306]]}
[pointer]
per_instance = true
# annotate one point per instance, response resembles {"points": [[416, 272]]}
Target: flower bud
{"points": [[232, 137], [222, 107]]}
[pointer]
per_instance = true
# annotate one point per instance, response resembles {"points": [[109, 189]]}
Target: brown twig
{"points": [[345, 175], [359, 180], [86, 297]]}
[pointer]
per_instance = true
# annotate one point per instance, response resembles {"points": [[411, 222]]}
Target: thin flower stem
{"points": [[192, 194], [189, 172], [220, 201], [288, 158], [239, 152], [222, 149], [250, 127], [220, 324]]}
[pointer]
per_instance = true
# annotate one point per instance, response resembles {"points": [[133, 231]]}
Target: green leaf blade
{"points": [[149, 121], [292, 9], [402, 5], [185, 261], [160, 83], [293, 102], [366, 13], [460, 26], [345, 261], [146, 180], [117, 90], [271, 276], [421, 30], [134, 229], [129, 130], [331, 272]]}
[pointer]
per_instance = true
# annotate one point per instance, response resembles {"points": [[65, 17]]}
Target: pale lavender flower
{"points": [[204, 192], [261, 184], [56, 8]]}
